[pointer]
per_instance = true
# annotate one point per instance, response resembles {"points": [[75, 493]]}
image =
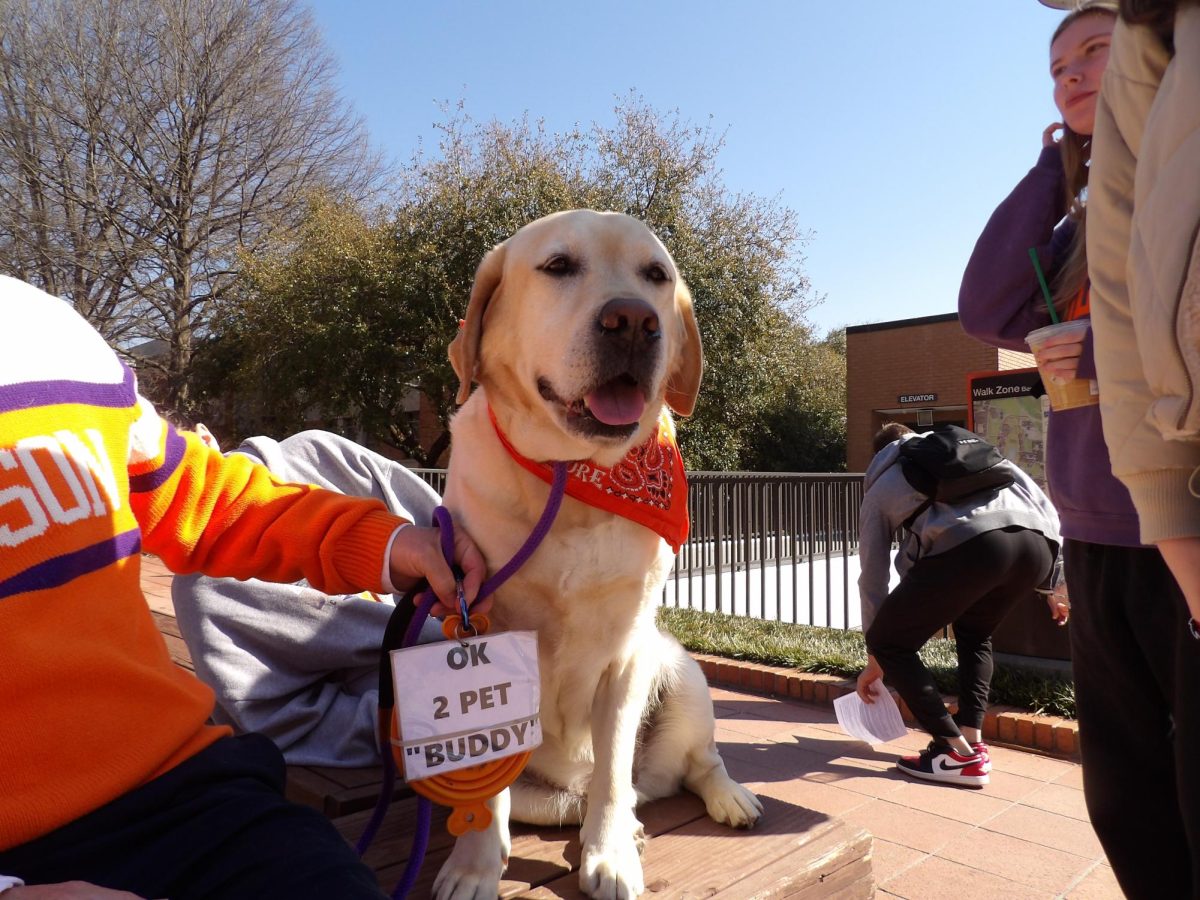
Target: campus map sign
{"points": [[1008, 410]]}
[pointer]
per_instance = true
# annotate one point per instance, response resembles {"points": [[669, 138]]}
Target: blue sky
{"points": [[892, 128]]}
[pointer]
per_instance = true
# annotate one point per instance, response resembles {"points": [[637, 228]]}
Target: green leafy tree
{"points": [[317, 335], [803, 423], [349, 333]]}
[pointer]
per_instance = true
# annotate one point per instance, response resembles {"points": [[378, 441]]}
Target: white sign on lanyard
{"points": [[463, 702]]}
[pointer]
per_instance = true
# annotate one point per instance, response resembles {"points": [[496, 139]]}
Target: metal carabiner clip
{"points": [[463, 610]]}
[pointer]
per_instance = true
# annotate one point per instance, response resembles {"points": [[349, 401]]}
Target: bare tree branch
{"points": [[146, 144]]}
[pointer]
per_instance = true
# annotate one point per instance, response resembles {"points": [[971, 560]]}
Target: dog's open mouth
{"points": [[612, 409]]}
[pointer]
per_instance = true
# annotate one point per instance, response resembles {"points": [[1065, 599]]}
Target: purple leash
{"points": [[445, 525]]}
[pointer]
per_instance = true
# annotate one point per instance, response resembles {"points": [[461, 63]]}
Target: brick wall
{"points": [[1015, 359], [429, 427], [915, 356]]}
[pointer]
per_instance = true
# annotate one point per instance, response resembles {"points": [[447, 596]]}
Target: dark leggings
{"points": [[1137, 693], [216, 825], [972, 587]]}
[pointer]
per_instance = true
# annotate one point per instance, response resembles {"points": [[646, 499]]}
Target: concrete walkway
{"points": [[1026, 835]]}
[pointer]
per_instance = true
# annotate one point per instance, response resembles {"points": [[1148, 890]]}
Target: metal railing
{"points": [[435, 478], [780, 547], [771, 546]]}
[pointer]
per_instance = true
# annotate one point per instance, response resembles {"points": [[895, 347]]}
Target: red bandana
{"points": [[648, 486]]}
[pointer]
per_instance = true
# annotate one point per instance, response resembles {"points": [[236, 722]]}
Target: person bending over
{"points": [[964, 564]]}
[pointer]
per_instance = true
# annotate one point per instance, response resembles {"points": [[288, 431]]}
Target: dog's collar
{"points": [[648, 486]]}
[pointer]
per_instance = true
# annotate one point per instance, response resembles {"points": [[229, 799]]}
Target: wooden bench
{"points": [[169, 629], [792, 852]]}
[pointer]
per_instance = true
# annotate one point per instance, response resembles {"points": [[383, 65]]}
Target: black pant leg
{"points": [[1137, 693], [215, 826], [985, 575], [976, 666], [1186, 718], [1023, 559]]}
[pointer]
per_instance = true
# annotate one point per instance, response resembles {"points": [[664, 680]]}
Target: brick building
{"points": [[912, 371], [915, 371]]}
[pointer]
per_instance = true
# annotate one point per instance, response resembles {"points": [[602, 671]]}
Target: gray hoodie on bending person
{"points": [[889, 500], [285, 660]]}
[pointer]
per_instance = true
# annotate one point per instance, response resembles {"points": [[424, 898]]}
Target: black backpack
{"points": [[951, 464]]}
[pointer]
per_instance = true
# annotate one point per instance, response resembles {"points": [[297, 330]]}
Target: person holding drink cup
{"points": [[1026, 286], [1058, 347]]}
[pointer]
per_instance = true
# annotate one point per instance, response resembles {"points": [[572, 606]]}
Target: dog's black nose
{"points": [[629, 318]]}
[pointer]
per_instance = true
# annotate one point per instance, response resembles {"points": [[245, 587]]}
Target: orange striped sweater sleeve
{"points": [[203, 512], [91, 705]]}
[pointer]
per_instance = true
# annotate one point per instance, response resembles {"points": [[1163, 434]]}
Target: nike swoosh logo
{"points": [[942, 766]]}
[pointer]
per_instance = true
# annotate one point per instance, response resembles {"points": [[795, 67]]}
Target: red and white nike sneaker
{"points": [[938, 762]]}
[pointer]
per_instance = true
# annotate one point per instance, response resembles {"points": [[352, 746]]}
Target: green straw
{"points": [[1037, 267]]}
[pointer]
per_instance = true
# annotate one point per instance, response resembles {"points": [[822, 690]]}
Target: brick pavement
{"points": [[1026, 835]]}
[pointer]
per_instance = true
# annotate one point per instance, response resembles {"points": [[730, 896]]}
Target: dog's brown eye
{"points": [[656, 273], [560, 264]]}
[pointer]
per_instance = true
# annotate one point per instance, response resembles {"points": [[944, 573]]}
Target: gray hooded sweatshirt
{"points": [[889, 500], [285, 660]]}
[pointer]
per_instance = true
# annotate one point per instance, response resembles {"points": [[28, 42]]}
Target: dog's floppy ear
{"points": [[683, 384], [464, 349]]}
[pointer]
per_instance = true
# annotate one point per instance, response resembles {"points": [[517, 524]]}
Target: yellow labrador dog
{"points": [[580, 334]]}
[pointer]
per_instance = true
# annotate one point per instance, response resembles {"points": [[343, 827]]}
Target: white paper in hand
{"points": [[875, 723]]}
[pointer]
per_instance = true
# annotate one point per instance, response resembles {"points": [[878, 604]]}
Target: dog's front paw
{"points": [[611, 864], [733, 805], [473, 869], [612, 872]]}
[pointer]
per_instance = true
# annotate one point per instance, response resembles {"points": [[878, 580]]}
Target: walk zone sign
{"points": [[463, 702]]}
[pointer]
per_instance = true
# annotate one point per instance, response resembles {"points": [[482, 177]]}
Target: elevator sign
{"points": [[917, 398]]}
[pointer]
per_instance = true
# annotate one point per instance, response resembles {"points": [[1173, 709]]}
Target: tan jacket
{"points": [[1144, 262]]}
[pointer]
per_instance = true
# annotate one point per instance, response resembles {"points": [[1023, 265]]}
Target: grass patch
{"points": [[834, 652]]}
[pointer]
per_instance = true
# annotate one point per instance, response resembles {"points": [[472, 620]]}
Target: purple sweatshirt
{"points": [[1000, 302]]}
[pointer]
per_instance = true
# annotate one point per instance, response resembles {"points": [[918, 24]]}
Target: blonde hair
{"points": [[1076, 150]]}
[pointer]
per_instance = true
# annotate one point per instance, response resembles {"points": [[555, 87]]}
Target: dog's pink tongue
{"points": [[617, 403]]}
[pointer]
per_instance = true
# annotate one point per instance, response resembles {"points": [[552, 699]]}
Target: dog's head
{"points": [[581, 321]]}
